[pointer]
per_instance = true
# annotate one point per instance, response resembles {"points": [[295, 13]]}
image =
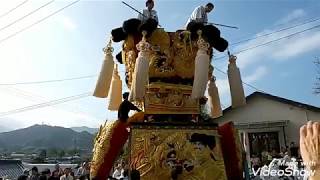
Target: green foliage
{"points": [[43, 154], [61, 153], [52, 152]]}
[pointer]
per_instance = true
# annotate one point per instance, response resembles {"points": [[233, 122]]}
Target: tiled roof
{"points": [[11, 169], [279, 99]]}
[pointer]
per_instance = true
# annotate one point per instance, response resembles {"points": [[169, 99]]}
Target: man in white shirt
{"points": [[199, 14], [149, 12], [67, 175], [118, 172]]}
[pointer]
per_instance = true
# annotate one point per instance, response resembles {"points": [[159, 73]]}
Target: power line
{"points": [[37, 22], [40, 99], [25, 16], [47, 81], [6, 13], [269, 42], [46, 104], [249, 85], [283, 29]]}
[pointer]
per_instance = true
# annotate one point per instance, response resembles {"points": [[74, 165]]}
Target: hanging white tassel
{"points": [[202, 62], [214, 98], [116, 91], [141, 71], [236, 88], [104, 80]]}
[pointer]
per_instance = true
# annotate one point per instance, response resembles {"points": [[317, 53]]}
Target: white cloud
{"points": [[256, 75], [298, 13], [68, 23], [284, 49], [299, 46]]}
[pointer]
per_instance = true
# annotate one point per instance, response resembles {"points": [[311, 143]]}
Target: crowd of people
{"points": [[79, 173], [293, 158], [266, 157]]}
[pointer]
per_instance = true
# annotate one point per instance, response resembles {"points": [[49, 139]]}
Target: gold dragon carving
{"points": [[150, 149]]}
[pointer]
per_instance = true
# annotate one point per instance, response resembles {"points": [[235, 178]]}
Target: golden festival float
{"points": [[168, 74]]}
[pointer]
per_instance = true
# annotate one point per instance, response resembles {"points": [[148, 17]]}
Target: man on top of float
{"points": [[148, 13], [199, 14], [125, 107]]}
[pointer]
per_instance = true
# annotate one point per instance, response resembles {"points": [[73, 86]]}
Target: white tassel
{"points": [[236, 88], [104, 80], [116, 91], [214, 99], [202, 63], [141, 71]]}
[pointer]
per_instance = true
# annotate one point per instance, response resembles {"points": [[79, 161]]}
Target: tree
{"points": [[43, 154], [52, 152], [317, 84], [61, 153]]}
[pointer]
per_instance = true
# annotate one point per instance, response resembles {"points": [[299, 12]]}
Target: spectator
{"points": [[283, 152], [294, 150], [255, 162], [55, 176], [22, 177], [83, 178], [42, 177], [34, 174], [80, 170], [310, 147], [67, 175], [125, 174], [46, 172], [84, 170], [57, 170], [117, 174]]}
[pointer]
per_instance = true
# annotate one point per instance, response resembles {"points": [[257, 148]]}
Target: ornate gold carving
{"points": [[101, 146], [156, 152], [130, 64], [184, 58], [160, 39], [172, 54], [163, 98], [129, 55]]}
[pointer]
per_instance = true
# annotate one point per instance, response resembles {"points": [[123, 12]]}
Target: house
{"points": [[269, 122]]}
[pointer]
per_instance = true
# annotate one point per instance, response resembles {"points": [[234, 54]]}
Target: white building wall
{"points": [[261, 109]]}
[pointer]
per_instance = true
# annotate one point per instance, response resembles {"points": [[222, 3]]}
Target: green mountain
{"points": [[46, 137], [85, 128]]}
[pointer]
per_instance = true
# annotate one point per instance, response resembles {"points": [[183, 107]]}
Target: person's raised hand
{"points": [[310, 145]]}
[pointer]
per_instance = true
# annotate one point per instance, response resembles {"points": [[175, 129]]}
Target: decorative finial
{"points": [[143, 45], [199, 32], [144, 34], [108, 49], [232, 59], [213, 79], [202, 44]]}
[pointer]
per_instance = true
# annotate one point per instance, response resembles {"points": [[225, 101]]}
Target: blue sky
{"points": [[69, 44]]}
